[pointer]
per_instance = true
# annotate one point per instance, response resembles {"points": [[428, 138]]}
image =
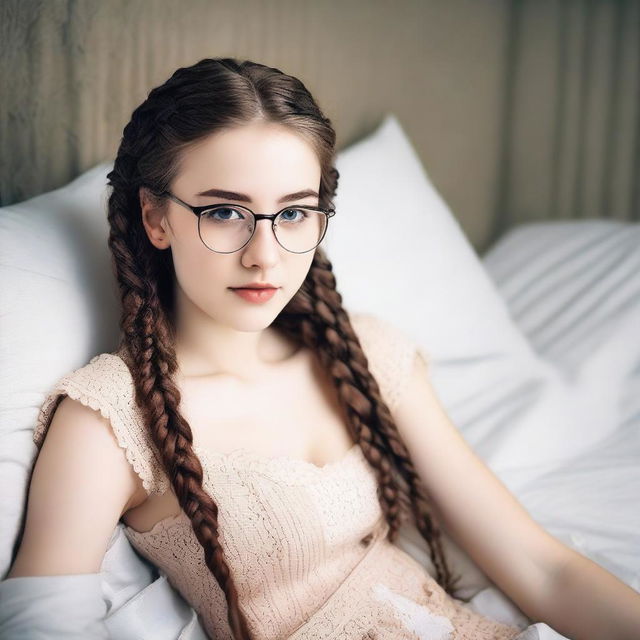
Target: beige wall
{"points": [[458, 73]]}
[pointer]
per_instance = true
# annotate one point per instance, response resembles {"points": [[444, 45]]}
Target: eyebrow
{"points": [[241, 197]]}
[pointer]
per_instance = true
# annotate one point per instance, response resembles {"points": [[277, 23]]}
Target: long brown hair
{"points": [[195, 102]]}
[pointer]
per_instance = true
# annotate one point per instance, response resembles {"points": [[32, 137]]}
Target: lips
{"points": [[266, 285], [255, 294]]}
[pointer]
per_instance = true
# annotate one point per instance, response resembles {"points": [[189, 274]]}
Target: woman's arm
{"points": [[587, 602], [546, 579], [80, 486]]}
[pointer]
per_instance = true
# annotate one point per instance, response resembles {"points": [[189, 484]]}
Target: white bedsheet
{"points": [[574, 289]]}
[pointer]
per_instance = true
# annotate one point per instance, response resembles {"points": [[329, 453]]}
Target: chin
{"points": [[253, 319]]}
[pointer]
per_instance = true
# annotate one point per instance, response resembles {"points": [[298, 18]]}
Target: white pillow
{"points": [[399, 252], [59, 308]]}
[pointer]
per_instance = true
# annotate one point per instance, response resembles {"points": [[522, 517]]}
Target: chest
{"points": [[295, 414]]}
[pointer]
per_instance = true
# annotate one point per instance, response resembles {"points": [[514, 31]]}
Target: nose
{"points": [[263, 249]]}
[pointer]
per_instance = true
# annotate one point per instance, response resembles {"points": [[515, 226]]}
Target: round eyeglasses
{"points": [[226, 228]]}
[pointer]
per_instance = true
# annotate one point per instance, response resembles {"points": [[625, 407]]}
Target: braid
{"points": [[195, 101], [151, 358], [325, 326]]}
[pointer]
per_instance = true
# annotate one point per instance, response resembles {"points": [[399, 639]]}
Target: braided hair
{"points": [[193, 103]]}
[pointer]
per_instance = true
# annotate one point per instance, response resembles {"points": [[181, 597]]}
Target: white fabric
{"points": [[66, 607], [568, 285], [141, 604], [59, 307], [398, 251], [574, 288]]}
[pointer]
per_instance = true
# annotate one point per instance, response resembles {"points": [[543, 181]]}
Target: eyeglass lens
{"points": [[227, 229]]}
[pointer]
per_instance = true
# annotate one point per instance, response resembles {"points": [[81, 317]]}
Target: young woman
{"points": [[261, 444]]}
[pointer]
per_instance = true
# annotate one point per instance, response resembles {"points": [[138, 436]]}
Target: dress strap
{"points": [[390, 352]]}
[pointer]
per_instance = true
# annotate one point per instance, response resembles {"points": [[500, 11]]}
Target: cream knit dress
{"points": [[306, 545]]}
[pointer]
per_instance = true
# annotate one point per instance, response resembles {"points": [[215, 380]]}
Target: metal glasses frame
{"points": [[198, 211]]}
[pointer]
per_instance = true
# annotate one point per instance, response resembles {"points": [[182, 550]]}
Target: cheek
{"points": [[188, 253], [200, 274], [300, 270]]}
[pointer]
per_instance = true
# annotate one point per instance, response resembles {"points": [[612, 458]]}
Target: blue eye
{"points": [[220, 214], [302, 211]]}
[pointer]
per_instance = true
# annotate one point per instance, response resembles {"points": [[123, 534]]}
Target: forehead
{"points": [[259, 159]]}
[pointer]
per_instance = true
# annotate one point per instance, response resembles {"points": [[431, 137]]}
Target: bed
{"points": [[534, 347]]}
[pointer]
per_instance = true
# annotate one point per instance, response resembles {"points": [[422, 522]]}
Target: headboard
{"points": [[511, 114]]}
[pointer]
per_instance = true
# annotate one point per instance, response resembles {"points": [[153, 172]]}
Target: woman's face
{"points": [[264, 162]]}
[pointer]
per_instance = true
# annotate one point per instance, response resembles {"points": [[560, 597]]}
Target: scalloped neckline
{"points": [[254, 456], [205, 455]]}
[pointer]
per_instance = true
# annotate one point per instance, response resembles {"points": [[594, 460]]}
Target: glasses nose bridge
{"points": [[270, 217], [264, 216]]}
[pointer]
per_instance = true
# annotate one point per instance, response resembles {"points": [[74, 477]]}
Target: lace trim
{"points": [[100, 386]]}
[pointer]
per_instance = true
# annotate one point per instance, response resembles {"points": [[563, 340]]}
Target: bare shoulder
{"points": [[80, 486]]}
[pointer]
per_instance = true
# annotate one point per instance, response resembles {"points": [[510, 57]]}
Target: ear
{"points": [[153, 219]]}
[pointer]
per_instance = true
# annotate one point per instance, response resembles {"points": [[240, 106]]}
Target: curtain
{"points": [[571, 131]]}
